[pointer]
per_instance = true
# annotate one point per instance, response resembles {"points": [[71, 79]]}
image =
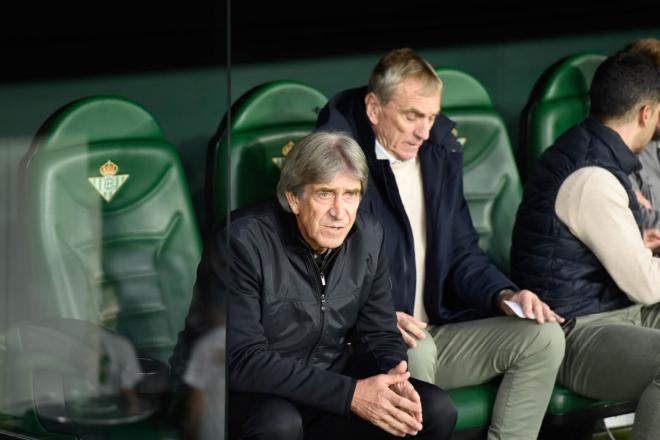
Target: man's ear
{"points": [[645, 115], [372, 104], [293, 202]]}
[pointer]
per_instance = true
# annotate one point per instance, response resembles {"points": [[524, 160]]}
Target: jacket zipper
{"points": [[321, 290]]}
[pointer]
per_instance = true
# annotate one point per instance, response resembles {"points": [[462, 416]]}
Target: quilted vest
{"points": [[545, 256]]}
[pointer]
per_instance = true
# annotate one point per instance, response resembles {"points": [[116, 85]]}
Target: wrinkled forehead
{"points": [[421, 85], [344, 179], [414, 96]]}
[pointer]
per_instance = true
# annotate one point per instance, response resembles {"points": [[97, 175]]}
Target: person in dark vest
{"points": [[578, 242], [447, 294]]}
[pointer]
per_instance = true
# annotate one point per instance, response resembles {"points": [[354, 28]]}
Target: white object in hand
{"points": [[516, 309]]}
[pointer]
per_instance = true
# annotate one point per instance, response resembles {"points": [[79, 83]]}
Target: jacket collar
{"points": [[383, 154], [627, 160], [365, 133]]}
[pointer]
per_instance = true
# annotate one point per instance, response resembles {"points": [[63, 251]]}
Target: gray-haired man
{"points": [[448, 295], [306, 277]]}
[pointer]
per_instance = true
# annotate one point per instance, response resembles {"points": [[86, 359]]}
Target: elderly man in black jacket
{"points": [[443, 284], [305, 278]]}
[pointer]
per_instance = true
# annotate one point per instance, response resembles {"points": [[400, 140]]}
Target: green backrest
{"points": [[559, 101], [264, 121], [493, 192], [491, 182], [125, 260]]}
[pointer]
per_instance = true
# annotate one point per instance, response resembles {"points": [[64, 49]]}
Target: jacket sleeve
{"points": [[376, 326], [253, 367], [594, 206], [326, 119], [472, 277]]}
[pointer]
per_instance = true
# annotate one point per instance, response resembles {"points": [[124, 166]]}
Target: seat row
{"points": [[269, 119], [111, 237]]}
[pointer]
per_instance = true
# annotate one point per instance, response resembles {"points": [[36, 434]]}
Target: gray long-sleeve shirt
{"points": [[647, 181]]}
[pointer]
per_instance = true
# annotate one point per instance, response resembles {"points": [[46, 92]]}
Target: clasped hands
{"points": [[389, 401]]}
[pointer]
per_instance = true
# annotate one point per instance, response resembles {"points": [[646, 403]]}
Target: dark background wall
{"points": [[53, 39], [173, 60]]}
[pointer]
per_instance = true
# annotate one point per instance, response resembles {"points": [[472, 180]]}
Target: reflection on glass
{"points": [[75, 375], [205, 375], [107, 246]]}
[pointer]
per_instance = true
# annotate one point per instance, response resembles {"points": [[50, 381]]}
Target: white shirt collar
{"points": [[383, 154]]}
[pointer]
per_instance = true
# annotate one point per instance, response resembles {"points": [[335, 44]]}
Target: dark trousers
{"points": [[264, 416]]}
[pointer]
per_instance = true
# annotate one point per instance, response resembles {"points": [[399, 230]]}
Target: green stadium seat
{"points": [[265, 122], [559, 100], [493, 191], [111, 234], [491, 183], [571, 416], [474, 405], [111, 237]]}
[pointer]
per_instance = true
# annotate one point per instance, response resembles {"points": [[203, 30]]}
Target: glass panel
{"points": [[104, 211], [102, 170]]}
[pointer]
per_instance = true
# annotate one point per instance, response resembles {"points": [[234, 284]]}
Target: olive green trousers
{"points": [[527, 356], [616, 356]]}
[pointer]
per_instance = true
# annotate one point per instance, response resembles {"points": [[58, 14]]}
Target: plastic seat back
{"points": [[112, 237], [560, 100], [491, 182], [266, 122]]}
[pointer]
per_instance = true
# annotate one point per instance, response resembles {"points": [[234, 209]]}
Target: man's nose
{"points": [[337, 208], [423, 129]]}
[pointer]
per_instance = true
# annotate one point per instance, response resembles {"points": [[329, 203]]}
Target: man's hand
{"points": [[652, 239], [531, 305], [376, 401], [406, 389], [643, 201], [411, 329]]}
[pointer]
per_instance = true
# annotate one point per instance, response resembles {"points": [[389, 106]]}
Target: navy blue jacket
{"points": [[461, 284], [545, 256]]}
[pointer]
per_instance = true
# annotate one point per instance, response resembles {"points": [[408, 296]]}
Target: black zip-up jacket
{"points": [[289, 321]]}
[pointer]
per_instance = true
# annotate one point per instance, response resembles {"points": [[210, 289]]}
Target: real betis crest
{"points": [[285, 150], [461, 140], [109, 184]]}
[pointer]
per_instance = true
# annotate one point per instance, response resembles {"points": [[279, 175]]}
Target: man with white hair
{"points": [[306, 277], [446, 292]]}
